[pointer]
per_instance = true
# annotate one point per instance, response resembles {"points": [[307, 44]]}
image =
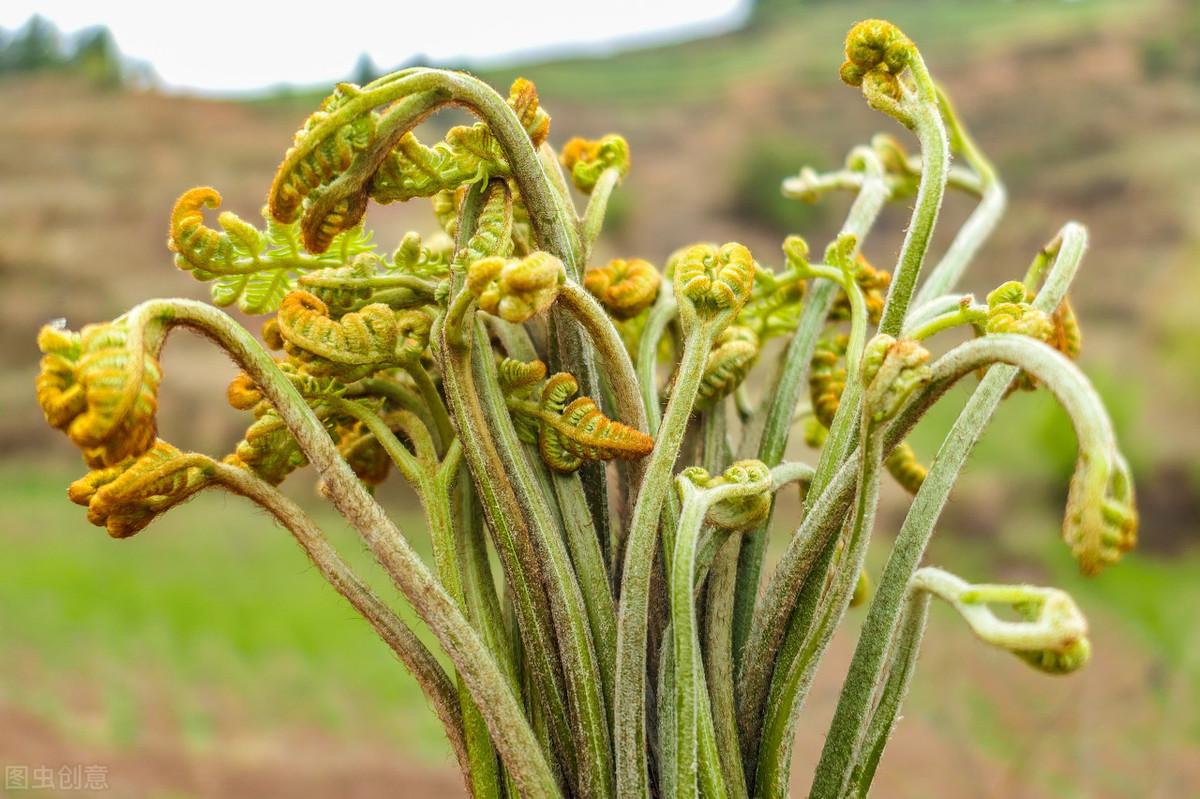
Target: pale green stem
{"points": [[511, 734], [629, 717], [593, 216], [935, 156], [786, 390], [430, 676], [975, 314], [982, 221], [787, 695], [850, 720], [661, 315]]}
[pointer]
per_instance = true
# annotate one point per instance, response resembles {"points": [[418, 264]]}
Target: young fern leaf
{"points": [[733, 355], [1051, 635], [468, 154], [568, 431], [354, 346], [874, 284], [516, 290], [587, 159], [126, 497], [101, 389], [252, 268], [625, 288]]}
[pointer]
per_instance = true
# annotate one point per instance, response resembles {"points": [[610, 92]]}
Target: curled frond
{"points": [[1101, 518], [523, 100], [493, 229], [516, 289], [268, 449], [733, 355], [425, 259], [250, 267], [320, 152], [356, 343], [777, 300], [1051, 634], [712, 279], [344, 288], [892, 372], [517, 378], [904, 467], [625, 287], [741, 494], [101, 391], [1009, 311], [587, 159], [827, 376], [877, 52], [1067, 337], [126, 497], [569, 431], [874, 284]]}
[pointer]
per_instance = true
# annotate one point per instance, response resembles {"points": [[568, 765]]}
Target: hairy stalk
{"points": [[982, 221], [850, 719], [788, 387], [512, 735]]}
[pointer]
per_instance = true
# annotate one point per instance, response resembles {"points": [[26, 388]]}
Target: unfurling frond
{"points": [[468, 154], [625, 287], [827, 376], [1067, 337], [904, 467], [99, 390], [349, 347], [1051, 634], [1101, 518], [892, 372], [713, 279], [516, 289], [253, 268], [268, 449], [523, 100], [127, 496], [1009, 311], [587, 159], [733, 355], [738, 510], [569, 432], [517, 378], [493, 229], [322, 150]]}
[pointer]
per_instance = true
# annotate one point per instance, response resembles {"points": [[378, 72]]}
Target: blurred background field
{"points": [[206, 658]]}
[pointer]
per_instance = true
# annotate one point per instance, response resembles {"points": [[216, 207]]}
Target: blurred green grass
{"points": [[213, 604]]}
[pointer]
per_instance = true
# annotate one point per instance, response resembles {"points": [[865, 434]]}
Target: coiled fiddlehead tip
{"points": [[195, 244], [518, 377], [712, 279], [349, 347], [1050, 635], [587, 159], [892, 371], [243, 393], [625, 287], [126, 497], [523, 99], [1101, 520], [744, 510], [572, 431], [516, 289], [102, 394], [1009, 311], [873, 45], [733, 354]]}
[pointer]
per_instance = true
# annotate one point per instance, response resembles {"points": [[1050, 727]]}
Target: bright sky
{"points": [[220, 45]]}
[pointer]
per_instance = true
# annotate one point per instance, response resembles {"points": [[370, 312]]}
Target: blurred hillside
{"points": [[1091, 111]]}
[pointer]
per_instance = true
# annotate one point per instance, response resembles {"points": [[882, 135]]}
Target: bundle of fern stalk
{"points": [[597, 469]]}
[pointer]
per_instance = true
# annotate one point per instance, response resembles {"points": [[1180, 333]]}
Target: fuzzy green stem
{"points": [[851, 717]]}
